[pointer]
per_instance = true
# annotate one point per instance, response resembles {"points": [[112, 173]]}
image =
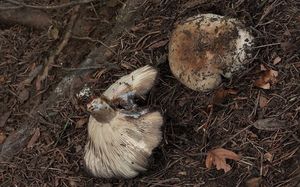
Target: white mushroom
{"points": [[120, 141], [206, 47]]}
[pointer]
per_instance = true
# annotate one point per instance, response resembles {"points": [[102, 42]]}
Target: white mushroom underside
{"points": [[121, 147]]}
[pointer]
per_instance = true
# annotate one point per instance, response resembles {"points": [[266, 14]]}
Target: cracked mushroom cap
{"points": [[206, 47]]}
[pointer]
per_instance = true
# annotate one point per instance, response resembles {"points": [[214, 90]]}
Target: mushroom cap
{"points": [[206, 46]]}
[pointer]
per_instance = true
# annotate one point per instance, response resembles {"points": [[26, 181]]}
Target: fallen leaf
{"points": [[263, 67], [251, 135], [182, 173], [263, 102], [221, 94], [158, 44], [254, 182], [218, 158], [288, 46], [267, 78], [2, 137], [14, 143], [78, 148], [38, 83], [4, 118], [269, 124], [23, 95], [32, 75], [53, 32], [81, 122], [113, 3], [2, 79], [34, 138], [277, 60], [268, 156], [265, 170]]}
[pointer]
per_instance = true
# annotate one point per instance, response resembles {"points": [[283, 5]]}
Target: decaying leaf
{"points": [[81, 122], [34, 138], [14, 143], [267, 78], [2, 79], [23, 95], [265, 170], [263, 101], [254, 182], [113, 3], [218, 158], [4, 118], [221, 94], [263, 68], [32, 75], [277, 60], [53, 32], [2, 137], [268, 156], [269, 124]]}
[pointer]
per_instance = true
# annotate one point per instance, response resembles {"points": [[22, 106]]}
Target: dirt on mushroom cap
{"points": [[205, 47]]}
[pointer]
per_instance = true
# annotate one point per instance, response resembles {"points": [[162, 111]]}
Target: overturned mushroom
{"points": [[206, 47]]}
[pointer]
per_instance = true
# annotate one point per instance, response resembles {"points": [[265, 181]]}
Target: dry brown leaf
{"points": [[269, 124], [254, 182], [34, 138], [268, 156], [221, 94], [112, 3], [263, 102], [81, 122], [2, 137], [23, 95], [53, 32], [265, 170], [263, 67], [32, 75], [277, 60], [218, 158], [2, 79], [267, 78]]}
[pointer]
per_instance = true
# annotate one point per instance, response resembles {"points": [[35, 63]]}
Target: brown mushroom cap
{"points": [[205, 47]]}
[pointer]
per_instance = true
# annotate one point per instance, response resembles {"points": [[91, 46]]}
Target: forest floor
{"points": [[194, 122]]}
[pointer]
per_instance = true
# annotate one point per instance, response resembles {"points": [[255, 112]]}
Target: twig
{"points": [[10, 7], [94, 40], [266, 45], [67, 36], [106, 65], [47, 7], [162, 182], [232, 137]]}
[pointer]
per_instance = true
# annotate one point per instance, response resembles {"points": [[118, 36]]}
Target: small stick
{"points": [[232, 137], [62, 45], [46, 7], [94, 40]]}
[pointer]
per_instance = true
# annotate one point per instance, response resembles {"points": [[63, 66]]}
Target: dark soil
{"points": [[194, 122]]}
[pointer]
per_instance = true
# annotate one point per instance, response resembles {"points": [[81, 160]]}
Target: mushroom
{"points": [[206, 47], [120, 140]]}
